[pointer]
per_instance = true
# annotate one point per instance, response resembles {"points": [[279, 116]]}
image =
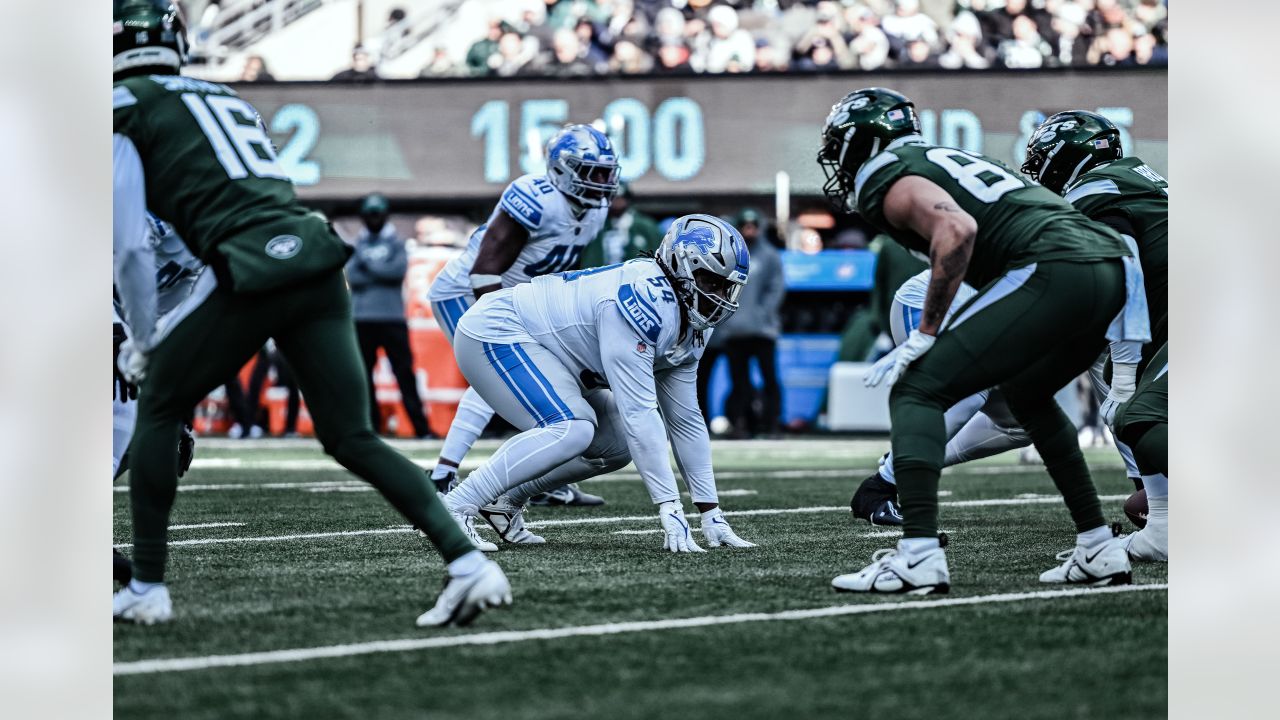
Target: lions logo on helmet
{"points": [[581, 164], [708, 262]]}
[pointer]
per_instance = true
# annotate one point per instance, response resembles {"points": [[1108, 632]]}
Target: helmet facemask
{"points": [[715, 297], [594, 182], [840, 157], [582, 165], [707, 262]]}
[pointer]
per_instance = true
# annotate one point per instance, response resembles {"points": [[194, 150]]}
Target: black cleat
{"points": [[876, 501], [446, 483], [122, 568]]}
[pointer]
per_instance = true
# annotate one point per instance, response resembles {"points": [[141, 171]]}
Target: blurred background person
{"points": [[752, 332], [729, 48], [376, 274], [362, 68], [627, 233], [255, 70]]}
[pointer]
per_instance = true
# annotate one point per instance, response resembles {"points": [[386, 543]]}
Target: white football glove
{"points": [[717, 531], [676, 535], [1124, 381], [891, 366], [132, 362]]}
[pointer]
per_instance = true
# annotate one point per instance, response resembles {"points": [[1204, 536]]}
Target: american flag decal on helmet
{"points": [[1101, 144], [895, 114]]}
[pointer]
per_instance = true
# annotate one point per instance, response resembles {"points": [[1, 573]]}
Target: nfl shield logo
{"points": [[641, 348]]}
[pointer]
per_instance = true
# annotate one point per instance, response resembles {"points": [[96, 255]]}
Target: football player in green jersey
{"points": [[197, 156], [1052, 291]]}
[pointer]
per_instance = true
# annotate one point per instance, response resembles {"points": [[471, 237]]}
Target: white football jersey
{"points": [[556, 237], [176, 268]]}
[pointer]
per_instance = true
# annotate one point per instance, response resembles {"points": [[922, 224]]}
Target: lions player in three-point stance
{"points": [[540, 226], [597, 368], [196, 154]]}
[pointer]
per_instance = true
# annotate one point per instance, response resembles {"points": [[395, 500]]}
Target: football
{"points": [[1136, 508]]}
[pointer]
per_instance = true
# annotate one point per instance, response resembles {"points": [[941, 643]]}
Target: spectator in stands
{"points": [[511, 56], [752, 333], [255, 70], [565, 58], [376, 273], [629, 59], [441, 65], [868, 43], [1026, 49], [1150, 13], [627, 233], [965, 48], [999, 25], [362, 68], [729, 47], [1071, 46], [823, 47], [594, 50], [1114, 47], [673, 58], [480, 52], [919, 54], [907, 24], [769, 59]]}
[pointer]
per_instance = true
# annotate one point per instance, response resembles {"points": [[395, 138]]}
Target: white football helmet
{"points": [[581, 163], [708, 261]]}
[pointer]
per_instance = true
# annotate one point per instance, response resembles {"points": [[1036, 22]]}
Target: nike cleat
{"points": [[893, 571], [1106, 563], [464, 598], [149, 607], [507, 519], [568, 495], [876, 501], [468, 525]]}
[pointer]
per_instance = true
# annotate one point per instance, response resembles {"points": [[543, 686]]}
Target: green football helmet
{"points": [[1069, 144], [150, 36], [859, 127]]}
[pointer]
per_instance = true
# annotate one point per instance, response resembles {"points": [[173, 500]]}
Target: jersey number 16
{"points": [[236, 134]]}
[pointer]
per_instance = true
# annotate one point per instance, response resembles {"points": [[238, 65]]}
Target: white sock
{"points": [[466, 564], [917, 546], [140, 588], [886, 469], [1157, 486], [472, 417], [1094, 537], [442, 470]]}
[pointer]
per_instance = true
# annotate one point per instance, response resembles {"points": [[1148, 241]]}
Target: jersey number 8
{"points": [[968, 170], [236, 134]]}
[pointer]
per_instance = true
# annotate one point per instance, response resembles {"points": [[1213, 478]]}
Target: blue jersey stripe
{"points": [[491, 353], [547, 387], [518, 372]]}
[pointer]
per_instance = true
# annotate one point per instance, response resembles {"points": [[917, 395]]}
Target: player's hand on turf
{"points": [[122, 389], [132, 363], [717, 531], [1124, 381], [677, 537], [890, 367]]}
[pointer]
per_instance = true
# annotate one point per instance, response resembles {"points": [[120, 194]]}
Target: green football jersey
{"points": [[211, 172], [1130, 189], [1019, 222]]}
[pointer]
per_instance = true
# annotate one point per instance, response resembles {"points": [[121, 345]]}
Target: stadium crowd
{"points": [[594, 37]]}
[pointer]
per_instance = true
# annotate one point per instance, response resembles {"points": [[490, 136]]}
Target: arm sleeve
{"points": [[387, 262], [678, 400], [630, 376], [133, 257]]}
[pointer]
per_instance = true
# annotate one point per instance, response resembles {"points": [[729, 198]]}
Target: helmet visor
{"points": [[715, 296], [596, 180]]}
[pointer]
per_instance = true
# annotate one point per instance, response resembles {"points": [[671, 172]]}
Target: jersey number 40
{"points": [[235, 131]]}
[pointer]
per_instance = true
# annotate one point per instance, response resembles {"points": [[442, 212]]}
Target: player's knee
{"points": [[349, 448], [914, 389], [575, 435]]}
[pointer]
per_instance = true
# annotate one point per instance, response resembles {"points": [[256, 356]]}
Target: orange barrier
{"points": [[432, 354]]}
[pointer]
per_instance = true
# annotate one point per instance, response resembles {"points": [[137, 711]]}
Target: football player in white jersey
{"points": [[540, 226], [177, 275], [597, 368], [979, 426]]}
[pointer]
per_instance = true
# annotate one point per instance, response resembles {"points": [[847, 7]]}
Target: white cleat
{"points": [[892, 571], [468, 524], [1151, 543], [676, 536], [147, 608], [464, 598], [507, 518], [717, 531], [1106, 563]]}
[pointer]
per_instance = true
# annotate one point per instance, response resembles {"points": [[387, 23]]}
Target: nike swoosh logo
{"points": [[912, 565], [1089, 558]]}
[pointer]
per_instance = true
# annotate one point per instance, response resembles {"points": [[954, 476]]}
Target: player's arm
{"points": [[503, 240], [917, 204], [133, 257]]}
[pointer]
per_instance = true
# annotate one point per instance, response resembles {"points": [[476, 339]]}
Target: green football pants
{"points": [[1029, 332], [311, 324], [1143, 422]]}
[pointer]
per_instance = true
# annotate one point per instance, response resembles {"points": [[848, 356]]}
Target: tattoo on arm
{"points": [[948, 272], [947, 207]]}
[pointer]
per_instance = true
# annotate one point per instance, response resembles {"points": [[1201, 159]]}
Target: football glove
{"points": [[122, 389], [676, 535], [1124, 381], [132, 363], [890, 367], [717, 531]]}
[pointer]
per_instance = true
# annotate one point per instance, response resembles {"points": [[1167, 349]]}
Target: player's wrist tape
{"points": [[1124, 378], [479, 281]]}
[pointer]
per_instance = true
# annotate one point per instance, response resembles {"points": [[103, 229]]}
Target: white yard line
{"points": [[608, 520], [617, 477], [160, 665], [199, 526]]}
